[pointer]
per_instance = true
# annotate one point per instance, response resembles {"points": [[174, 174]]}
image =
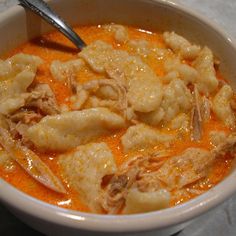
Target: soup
{"points": [[137, 121]]}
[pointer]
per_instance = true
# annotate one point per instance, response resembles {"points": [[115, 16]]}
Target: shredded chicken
{"points": [[44, 99], [131, 173], [186, 168], [30, 162], [26, 117], [117, 191], [121, 104], [159, 171], [40, 98], [129, 91], [205, 109], [196, 118]]}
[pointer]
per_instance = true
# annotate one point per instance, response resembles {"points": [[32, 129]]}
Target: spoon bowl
{"points": [[42, 9]]}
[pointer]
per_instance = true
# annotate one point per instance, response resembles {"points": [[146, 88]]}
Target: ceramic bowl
{"points": [[18, 26]]}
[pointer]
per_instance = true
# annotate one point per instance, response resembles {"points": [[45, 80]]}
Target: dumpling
{"points": [[120, 32], [142, 136], [64, 70], [18, 63], [97, 55], [217, 137], [17, 74], [143, 86], [85, 168], [140, 47], [204, 64], [5, 161], [221, 106], [182, 122], [152, 118], [12, 104], [176, 98], [144, 94], [181, 45], [186, 168], [70, 129], [17, 85], [139, 202], [176, 69]]}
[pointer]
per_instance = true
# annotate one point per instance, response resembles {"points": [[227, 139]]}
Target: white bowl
{"points": [[16, 27]]}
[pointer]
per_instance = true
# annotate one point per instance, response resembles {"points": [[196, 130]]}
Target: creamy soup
{"points": [[137, 121]]}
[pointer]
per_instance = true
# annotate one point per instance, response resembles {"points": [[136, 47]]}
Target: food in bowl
{"points": [[137, 121]]}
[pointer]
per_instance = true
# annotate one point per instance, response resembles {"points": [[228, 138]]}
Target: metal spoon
{"points": [[42, 9]]}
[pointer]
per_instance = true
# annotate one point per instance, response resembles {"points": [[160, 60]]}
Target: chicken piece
{"points": [[26, 117], [68, 130], [205, 109], [186, 168], [142, 136], [41, 97], [120, 104], [196, 125], [138, 173], [204, 64], [120, 32], [181, 45], [143, 86], [140, 202], [196, 117], [113, 198], [44, 99], [30, 162], [84, 169], [159, 172], [222, 108]]}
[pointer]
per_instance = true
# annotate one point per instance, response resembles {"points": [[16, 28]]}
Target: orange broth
{"points": [[54, 46]]}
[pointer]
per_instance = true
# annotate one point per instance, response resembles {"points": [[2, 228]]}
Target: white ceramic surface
{"points": [[147, 14]]}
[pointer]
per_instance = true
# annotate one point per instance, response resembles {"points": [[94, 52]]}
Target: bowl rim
{"points": [[20, 201]]}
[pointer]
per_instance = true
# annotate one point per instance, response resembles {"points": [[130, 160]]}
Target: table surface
{"points": [[221, 221]]}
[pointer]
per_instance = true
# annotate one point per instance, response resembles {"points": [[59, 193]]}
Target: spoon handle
{"points": [[42, 9]]}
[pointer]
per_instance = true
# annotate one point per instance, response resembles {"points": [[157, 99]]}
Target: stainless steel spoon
{"points": [[42, 9]]}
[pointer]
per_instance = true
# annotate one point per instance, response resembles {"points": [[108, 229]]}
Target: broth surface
{"points": [[54, 46]]}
